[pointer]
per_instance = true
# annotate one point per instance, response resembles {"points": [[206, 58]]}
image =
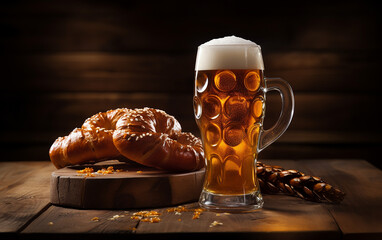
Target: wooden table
{"points": [[25, 211]]}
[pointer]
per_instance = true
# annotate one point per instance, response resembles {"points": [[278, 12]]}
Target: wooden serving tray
{"points": [[137, 186]]}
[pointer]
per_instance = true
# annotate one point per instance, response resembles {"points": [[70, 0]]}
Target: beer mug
{"points": [[229, 107]]}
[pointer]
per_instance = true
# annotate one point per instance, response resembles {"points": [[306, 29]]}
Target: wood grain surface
{"points": [[133, 186], [359, 216], [23, 193], [283, 217]]}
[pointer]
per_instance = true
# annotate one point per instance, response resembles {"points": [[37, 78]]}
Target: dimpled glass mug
{"points": [[229, 107]]}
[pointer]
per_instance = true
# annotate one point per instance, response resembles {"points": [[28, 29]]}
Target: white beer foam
{"points": [[229, 53]]}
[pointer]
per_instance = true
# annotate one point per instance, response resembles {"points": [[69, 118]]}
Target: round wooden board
{"points": [[136, 186]]}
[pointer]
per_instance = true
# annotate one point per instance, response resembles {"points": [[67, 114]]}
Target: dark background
{"points": [[63, 61]]}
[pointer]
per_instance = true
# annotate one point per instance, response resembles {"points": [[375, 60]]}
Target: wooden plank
{"points": [[282, 216], [127, 27], [24, 192], [69, 221], [328, 137], [69, 110], [57, 112], [101, 71], [319, 151], [14, 173], [335, 79], [360, 214], [324, 111]]}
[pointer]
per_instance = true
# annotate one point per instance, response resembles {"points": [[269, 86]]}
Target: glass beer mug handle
{"points": [[287, 108]]}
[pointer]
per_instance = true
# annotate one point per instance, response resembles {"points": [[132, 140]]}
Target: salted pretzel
{"points": [[148, 136], [153, 138], [92, 142]]}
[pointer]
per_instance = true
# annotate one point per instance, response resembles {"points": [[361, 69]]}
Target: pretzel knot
{"points": [[148, 136]]}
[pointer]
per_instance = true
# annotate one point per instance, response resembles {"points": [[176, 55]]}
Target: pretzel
{"points": [[153, 138], [147, 136], [92, 142]]}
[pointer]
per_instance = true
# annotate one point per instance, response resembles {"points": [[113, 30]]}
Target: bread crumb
{"points": [[116, 217], [196, 215], [178, 211], [50, 223], [109, 170], [95, 219], [89, 171], [147, 216], [216, 223]]}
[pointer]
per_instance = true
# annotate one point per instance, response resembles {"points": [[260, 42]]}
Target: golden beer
{"points": [[228, 106]]}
